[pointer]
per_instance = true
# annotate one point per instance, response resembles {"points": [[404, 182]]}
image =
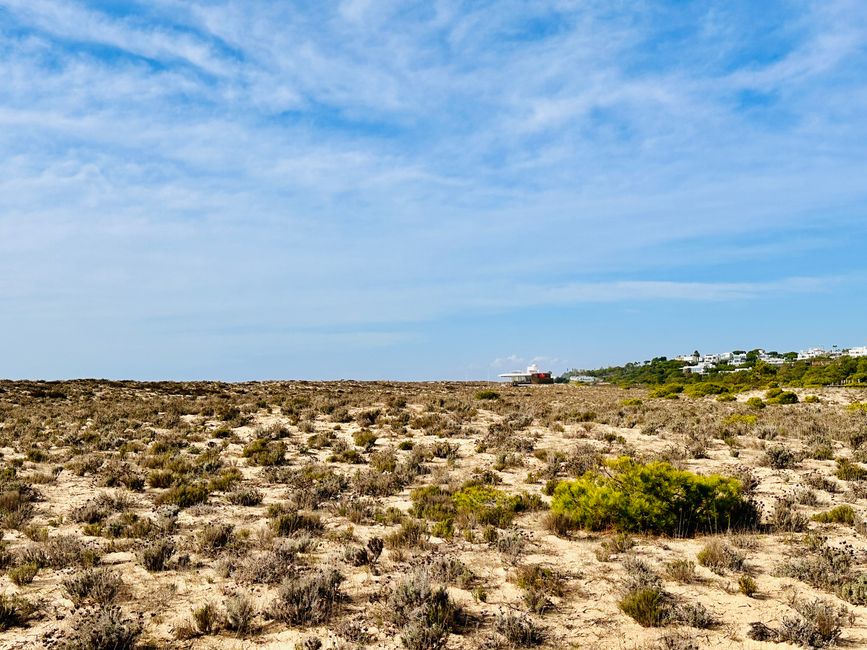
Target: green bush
{"points": [[262, 451], [364, 438], [855, 591], [703, 389], [783, 398], [755, 403], [488, 395], [747, 585], [840, 515], [23, 574], [473, 504], [484, 505], [648, 606], [849, 471], [184, 495], [14, 611], [741, 419], [653, 498], [667, 391]]}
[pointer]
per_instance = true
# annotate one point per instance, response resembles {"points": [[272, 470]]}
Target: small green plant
{"points": [[755, 403], [184, 495], [742, 419], [777, 396], [413, 533], [843, 514], [704, 389], [855, 590], [265, 452], [23, 574], [849, 471], [487, 395], [681, 570], [207, 618], [365, 438], [648, 606], [747, 585], [14, 611], [666, 391]]}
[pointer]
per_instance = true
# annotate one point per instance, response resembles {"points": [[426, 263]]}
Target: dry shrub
{"points": [[424, 611], [819, 623], [290, 523], [15, 611], [519, 630], [819, 564], [242, 496], [307, 601], [681, 570], [103, 629], [99, 585], [719, 557], [207, 618], [240, 614], [539, 583], [785, 517], [155, 555], [412, 533], [100, 507], [214, 537]]}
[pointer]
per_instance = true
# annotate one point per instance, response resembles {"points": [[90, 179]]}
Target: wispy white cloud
{"points": [[368, 162]]}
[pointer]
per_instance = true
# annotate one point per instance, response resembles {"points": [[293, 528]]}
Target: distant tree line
{"points": [[755, 373]]}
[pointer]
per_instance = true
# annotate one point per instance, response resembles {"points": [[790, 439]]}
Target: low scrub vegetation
{"points": [[387, 515]]}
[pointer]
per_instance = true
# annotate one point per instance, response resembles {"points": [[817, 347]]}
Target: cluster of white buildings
{"points": [[699, 364]]}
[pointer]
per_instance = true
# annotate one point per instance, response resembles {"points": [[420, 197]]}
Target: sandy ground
{"points": [[127, 422]]}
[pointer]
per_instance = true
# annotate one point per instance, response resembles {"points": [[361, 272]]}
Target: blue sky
{"points": [[245, 189]]}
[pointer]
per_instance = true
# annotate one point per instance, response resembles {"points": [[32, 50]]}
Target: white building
{"points": [[812, 353], [858, 352], [698, 369]]}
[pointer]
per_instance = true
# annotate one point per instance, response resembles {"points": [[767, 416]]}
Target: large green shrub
{"points": [[667, 391], [653, 498], [703, 389]]}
